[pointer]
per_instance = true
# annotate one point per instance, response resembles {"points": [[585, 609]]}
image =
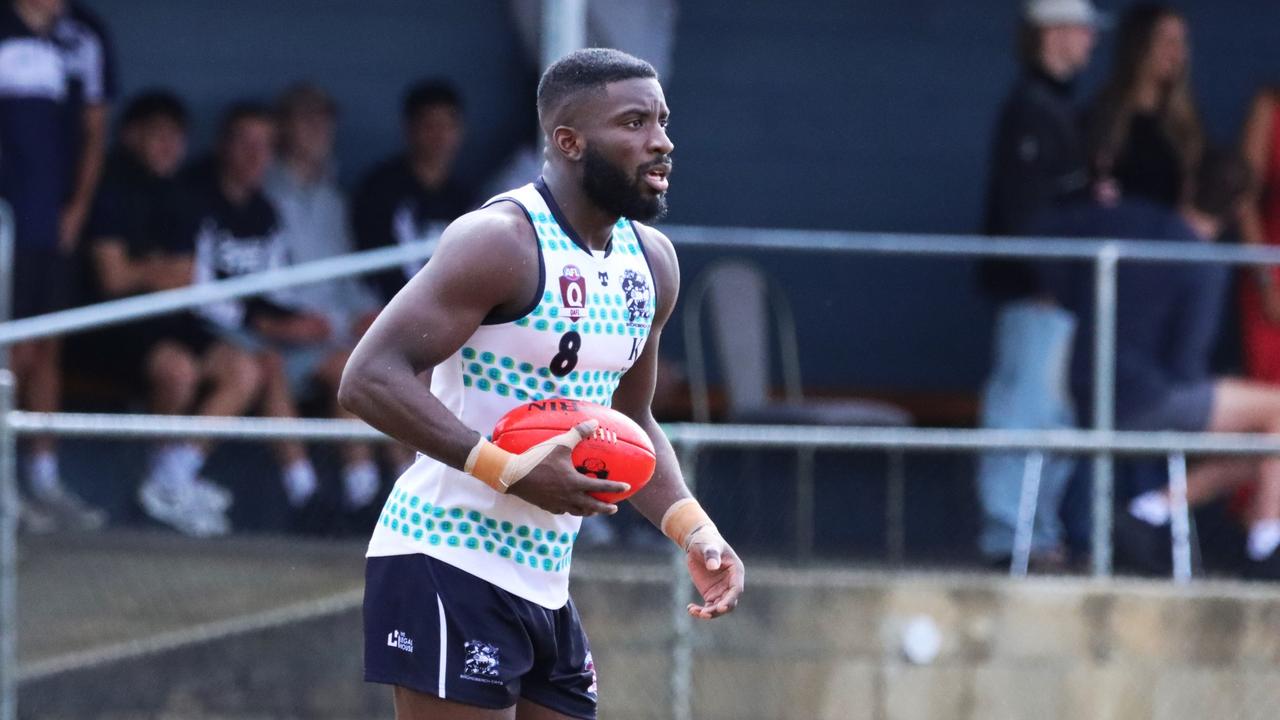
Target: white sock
{"points": [[42, 474], [186, 458], [1151, 508], [1264, 538], [299, 482], [177, 464], [360, 483]]}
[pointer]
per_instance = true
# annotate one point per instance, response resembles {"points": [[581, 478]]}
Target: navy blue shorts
{"points": [[433, 628]]}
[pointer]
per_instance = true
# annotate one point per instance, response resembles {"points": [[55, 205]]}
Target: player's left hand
{"points": [[718, 573]]}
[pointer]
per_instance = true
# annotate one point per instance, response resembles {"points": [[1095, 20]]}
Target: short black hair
{"points": [[588, 69], [1221, 181], [427, 94], [240, 111], [152, 104]]}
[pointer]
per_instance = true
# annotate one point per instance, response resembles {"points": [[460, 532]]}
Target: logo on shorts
{"points": [[481, 662], [573, 291], [400, 641], [590, 666]]}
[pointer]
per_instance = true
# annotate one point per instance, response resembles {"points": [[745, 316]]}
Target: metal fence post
{"points": [[8, 555], [1104, 382], [8, 491], [682, 624], [1180, 518]]}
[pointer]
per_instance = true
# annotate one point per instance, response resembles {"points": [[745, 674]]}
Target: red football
{"points": [[619, 450]]}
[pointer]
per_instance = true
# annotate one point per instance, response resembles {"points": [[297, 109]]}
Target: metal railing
{"points": [[1102, 442]]}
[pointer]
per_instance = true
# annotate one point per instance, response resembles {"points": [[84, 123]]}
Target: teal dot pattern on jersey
{"points": [[608, 308], [606, 315], [549, 550], [597, 321], [494, 376]]}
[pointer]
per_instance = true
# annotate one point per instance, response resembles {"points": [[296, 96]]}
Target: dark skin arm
{"points": [[88, 172], [120, 275], [717, 571], [296, 329], [387, 380]]}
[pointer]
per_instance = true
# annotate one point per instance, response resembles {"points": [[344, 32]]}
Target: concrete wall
{"points": [[802, 646]]}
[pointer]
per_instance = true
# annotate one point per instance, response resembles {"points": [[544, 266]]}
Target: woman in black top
{"points": [[1146, 137]]}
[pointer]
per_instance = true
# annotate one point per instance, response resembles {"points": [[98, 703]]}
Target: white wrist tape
{"points": [[500, 469]]}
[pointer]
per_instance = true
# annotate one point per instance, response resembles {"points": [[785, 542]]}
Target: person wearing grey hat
{"points": [[1039, 152], [1039, 157]]}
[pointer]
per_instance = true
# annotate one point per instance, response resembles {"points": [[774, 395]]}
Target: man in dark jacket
{"points": [[1038, 158], [1038, 155]]}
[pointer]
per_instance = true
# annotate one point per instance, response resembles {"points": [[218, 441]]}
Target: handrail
{"points": [[114, 312], [141, 306], [818, 437]]}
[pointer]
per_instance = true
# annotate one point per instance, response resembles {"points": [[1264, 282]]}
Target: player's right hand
{"points": [[555, 486]]}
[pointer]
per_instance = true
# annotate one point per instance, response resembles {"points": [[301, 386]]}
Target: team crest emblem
{"points": [[594, 690], [636, 289], [573, 291], [481, 662]]}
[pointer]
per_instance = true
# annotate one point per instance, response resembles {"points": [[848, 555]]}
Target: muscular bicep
{"points": [[481, 264]]}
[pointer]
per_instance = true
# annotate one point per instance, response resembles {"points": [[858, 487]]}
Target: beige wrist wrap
{"points": [[500, 469], [686, 522]]}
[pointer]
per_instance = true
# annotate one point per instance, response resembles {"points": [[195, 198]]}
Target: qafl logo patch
{"points": [[573, 291]]}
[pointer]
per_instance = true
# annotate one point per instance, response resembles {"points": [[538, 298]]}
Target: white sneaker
{"points": [[69, 510], [360, 485], [212, 495], [35, 521], [179, 507], [300, 482]]}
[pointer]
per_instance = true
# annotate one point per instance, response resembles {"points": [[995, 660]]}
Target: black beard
{"points": [[609, 187]]}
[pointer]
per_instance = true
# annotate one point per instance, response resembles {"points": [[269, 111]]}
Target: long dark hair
{"points": [[1117, 103]]}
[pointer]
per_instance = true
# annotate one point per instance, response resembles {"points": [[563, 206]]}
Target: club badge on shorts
{"points": [[481, 662]]}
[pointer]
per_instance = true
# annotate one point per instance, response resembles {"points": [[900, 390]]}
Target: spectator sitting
{"points": [[1168, 316], [140, 241], [40, 152], [1145, 133], [314, 220], [412, 196], [238, 233], [1039, 158]]}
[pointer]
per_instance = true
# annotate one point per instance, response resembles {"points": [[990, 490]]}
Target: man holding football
{"points": [[467, 610]]}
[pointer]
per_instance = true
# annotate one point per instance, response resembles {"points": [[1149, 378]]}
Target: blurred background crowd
{"points": [[148, 145]]}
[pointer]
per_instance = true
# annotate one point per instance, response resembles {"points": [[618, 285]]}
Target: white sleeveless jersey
{"points": [[585, 328]]}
